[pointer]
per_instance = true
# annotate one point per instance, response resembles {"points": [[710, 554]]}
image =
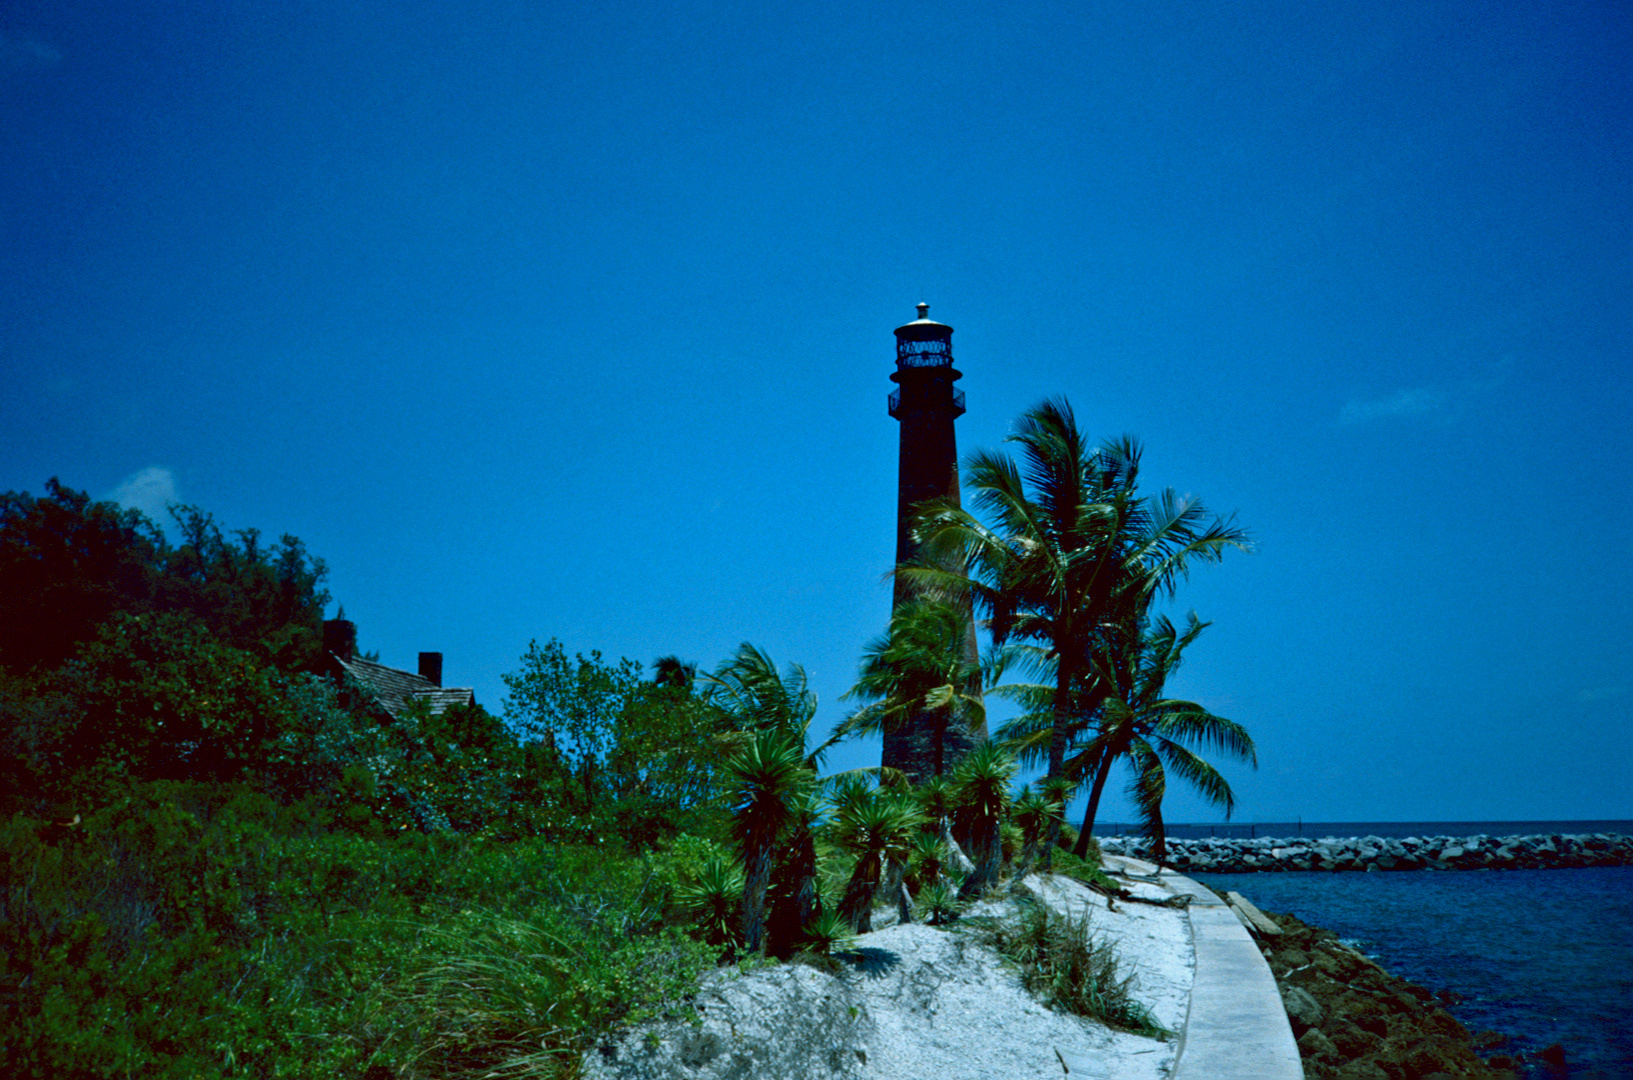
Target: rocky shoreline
{"points": [[1354, 1019], [1267, 854]]}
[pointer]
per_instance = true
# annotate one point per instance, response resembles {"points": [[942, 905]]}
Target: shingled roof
{"points": [[395, 689]]}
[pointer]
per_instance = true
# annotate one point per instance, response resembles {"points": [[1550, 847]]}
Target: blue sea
{"points": [[1542, 956]]}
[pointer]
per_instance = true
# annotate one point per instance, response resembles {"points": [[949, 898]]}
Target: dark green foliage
{"points": [[608, 754], [267, 600], [877, 826], [191, 930], [924, 665], [939, 903], [68, 565], [981, 786], [126, 658], [150, 697], [713, 900]]}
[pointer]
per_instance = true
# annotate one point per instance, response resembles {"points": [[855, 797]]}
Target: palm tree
{"points": [[1072, 557], [938, 797], [750, 689], [673, 672], [922, 664], [1032, 813], [982, 780], [768, 779], [878, 826], [1138, 722], [772, 777]]}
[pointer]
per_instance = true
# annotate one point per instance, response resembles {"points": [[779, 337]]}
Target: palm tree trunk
{"points": [[955, 853], [1159, 838], [1064, 674], [856, 906], [896, 888], [989, 853], [1101, 771], [758, 876]]}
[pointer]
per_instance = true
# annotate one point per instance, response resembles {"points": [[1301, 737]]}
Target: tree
{"points": [[920, 665], [67, 565], [878, 826], [769, 714], [749, 689], [768, 779], [265, 600], [573, 705], [1139, 723], [1072, 558], [150, 697], [982, 783], [673, 672]]}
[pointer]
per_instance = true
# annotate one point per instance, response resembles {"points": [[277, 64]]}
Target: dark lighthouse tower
{"points": [[926, 403]]}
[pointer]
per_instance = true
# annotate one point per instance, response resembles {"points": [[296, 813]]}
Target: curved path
{"points": [[1236, 1027]]}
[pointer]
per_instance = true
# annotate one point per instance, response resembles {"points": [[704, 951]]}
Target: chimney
{"points": [[340, 638], [431, 667]]}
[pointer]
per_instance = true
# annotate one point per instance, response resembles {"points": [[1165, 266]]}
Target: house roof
{"points": [[395, 689]]}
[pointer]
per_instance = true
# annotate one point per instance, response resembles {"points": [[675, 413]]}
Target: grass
{"points": [[150, 944], [1063, 963]]}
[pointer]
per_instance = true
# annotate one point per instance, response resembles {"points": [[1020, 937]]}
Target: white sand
{"points": [[923, 1003]]}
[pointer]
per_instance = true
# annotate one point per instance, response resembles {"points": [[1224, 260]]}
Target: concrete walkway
{"points": [[1236, 1027]]}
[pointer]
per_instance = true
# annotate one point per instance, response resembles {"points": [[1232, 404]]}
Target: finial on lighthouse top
{"points": [[924, 310]]}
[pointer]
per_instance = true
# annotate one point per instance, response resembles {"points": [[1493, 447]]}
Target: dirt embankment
{"points": [[1354, 1019]]}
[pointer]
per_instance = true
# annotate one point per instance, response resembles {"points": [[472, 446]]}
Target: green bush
{"points": [[194, 930]]}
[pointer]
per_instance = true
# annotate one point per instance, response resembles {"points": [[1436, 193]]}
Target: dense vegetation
{"points": [[220, 860]]}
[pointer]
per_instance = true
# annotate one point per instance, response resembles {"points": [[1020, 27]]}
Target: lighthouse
{"points": [[925, 403]]}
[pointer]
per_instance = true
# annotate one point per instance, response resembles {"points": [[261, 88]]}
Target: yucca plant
{"points": [[939, 903], [982, 782], [827, 934], [1032, 814], [877, 829], [714, 902], [928, 858], [768, 779], [923, 667]]}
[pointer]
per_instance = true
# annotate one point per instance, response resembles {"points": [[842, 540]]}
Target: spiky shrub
{"points": [[1031, 816], [928, 858], [937, 796], [939, 904], [794, 897], [1009, 844], [877, 828], [982, 784], [1063, 963], [827, 934], [714, 901]]}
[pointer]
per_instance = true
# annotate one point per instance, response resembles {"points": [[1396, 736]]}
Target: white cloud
{"points": [[1400, 403], [150, 490]]}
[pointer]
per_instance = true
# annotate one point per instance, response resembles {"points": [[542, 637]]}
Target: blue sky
{"points": [[574, 320]]}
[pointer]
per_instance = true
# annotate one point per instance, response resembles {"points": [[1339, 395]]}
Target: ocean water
{"points": [[1542, 956]]}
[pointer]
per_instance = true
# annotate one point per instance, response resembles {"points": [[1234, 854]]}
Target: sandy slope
{"points": [[920, 1003]]}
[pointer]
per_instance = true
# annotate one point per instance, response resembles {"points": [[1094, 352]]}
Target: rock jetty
{"points": [[1231, 856], [1353, 1018]]}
